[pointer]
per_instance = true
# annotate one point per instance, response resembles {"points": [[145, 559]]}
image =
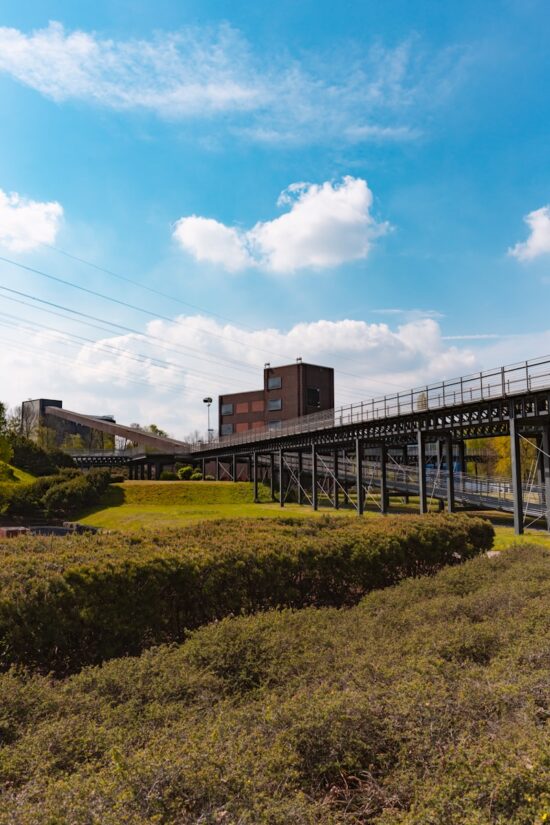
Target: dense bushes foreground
{"points": [[427, 704], [74, 601]]}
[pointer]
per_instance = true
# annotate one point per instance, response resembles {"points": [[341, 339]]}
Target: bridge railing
{"points": [[500, 382]]}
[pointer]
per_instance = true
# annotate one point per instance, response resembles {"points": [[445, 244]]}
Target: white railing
{"points": [[501, 382]]}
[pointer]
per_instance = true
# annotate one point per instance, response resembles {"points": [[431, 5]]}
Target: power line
{"points": [[140, 357], [148, 312]]}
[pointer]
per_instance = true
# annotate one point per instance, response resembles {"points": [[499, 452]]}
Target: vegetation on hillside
{"points": [[426, 704], [56, 496], [78, 600]]}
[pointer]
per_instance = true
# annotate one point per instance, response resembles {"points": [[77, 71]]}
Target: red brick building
{"points": [[289, 392]]}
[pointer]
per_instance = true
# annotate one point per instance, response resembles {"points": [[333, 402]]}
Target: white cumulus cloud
{"points": [[538, 242], [325, 225], [24, 223]]}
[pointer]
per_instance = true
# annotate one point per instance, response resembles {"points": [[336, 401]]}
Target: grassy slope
{"points": [[137, 504], [149, 504], [322, 716]]}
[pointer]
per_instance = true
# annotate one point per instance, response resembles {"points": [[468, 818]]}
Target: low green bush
{"points": [[209, 478], [376, 715], [6, 472], [185, 473], [74, 601], [196, 476], [168, 475]]}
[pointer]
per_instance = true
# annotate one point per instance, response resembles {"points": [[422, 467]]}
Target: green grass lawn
{"points": [[150, 504], [137, 505]]}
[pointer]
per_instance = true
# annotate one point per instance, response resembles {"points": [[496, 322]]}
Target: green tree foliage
{"points": [[34, 459], [3, 418], [496, 455], [185, 473], [6, 450], [88, 599], [426, 704]]}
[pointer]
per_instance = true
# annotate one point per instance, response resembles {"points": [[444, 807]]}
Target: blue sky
{"points": [[155, 140]]}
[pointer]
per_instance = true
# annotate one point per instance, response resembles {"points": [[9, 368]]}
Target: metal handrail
{"points": [[492, 384]]}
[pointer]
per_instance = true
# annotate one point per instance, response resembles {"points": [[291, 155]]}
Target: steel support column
{"points": [[234, 467], [314, 498], [299, 494], [423, 500], [217, 469], [272, 475], [255, 463], [203, 464], [450, 474], [546, 470], [384, 498], [359, 475], [517, 488], [281, 479], [336, 483], [149, 471]]}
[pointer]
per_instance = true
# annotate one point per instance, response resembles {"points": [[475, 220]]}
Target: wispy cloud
{"points": [[538, 242], [357, 94], [325, 225], [25, 224]]}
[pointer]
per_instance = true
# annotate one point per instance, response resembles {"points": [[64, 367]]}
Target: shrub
{"points": [[185, 473], [117, 478], [168, 475], [332, 717], [85, 599], [6, 472], [196, 476], [209, 478], [33, 459], [56, 496]]}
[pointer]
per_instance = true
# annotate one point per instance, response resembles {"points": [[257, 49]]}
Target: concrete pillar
{"points": [[281, 479], [384, 498], [149, 471], [336, 487], [255, 462], [359, 475], [450, 474], [421, 441], [314, 498], [545, 444], [517, 486]]}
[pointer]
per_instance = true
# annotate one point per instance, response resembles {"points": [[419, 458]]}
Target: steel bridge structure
{"points": [[404, 430]]}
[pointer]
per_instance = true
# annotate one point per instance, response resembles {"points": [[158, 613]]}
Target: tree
{"points": [[152, 428], [6, 452], [3, 418]]}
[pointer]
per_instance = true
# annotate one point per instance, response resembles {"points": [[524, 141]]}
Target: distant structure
{"points": [[35, 422], [290, 391]]}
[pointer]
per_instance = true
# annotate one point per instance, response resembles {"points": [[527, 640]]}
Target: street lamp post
{"points": [[208, 401]]}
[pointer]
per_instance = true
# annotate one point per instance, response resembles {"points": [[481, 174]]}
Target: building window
{"points": [[227, 409], [274, 425], [227, 429], [313, 397], [274, 404], [258, 406], [274, 383], [242, 407]]}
